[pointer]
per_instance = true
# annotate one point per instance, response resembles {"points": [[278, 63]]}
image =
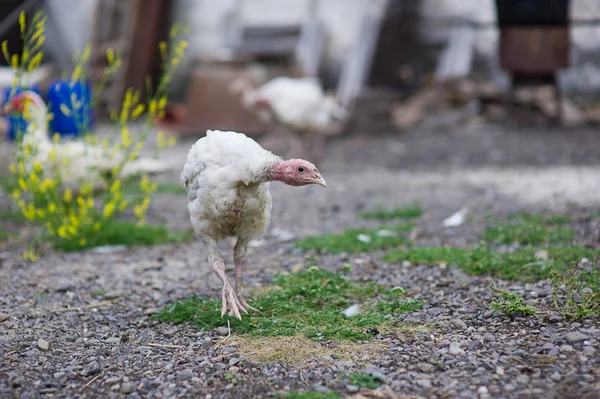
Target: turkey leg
{"points": [[230, 301], [239, 258]]}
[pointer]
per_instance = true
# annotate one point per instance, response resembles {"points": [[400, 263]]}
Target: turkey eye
{"points": [[300, 169]]}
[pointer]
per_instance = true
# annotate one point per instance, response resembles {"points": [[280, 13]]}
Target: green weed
{"points": [[118, 232], [511, 304], [309, 303], [358, 240], [576, 293], [523, 264], [530, 229], [362, 380], [401, 212]]}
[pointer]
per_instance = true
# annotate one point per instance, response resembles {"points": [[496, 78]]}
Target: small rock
{"points": [[576, 337], [555, 377], [170, 331], [150, 311], [127, 387], [459, 323], [3, 316], [523, 379], [352, 388], [377, 374], [43, 344], [426, 367], [233, 361], [555, 318], [58, 375], [425, 384], [589, 349], [489, 337], [509, 387], [113, 340], [567, 349], [553, 352], [455, 349], [223, 331], [321, 389]]}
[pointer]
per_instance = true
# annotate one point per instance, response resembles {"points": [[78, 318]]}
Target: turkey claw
{"points": [[231, 302]]}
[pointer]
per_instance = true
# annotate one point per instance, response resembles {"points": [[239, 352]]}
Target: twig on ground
{"points": [[87, 384]]}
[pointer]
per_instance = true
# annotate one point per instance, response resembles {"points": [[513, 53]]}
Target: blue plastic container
{"points": [[76, 97], [17, 124]]}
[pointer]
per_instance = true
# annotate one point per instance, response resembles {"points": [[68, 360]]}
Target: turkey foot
{"points": [[231, 302]]}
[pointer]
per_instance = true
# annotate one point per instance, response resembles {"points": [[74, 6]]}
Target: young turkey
{"points": [[299, 105], [227, 177], [84, 159]]}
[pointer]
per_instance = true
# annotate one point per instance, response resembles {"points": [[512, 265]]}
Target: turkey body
{"points": [[227, 193]]}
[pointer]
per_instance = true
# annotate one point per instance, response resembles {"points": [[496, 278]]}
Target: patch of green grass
{"points": [[362, 380], [401, 212], [530, 229], [511, 304], [118, 232], [358, 240], [576, 293], [3, 234], [311, 395], [523, 264], [97, 293], [308, 303]]}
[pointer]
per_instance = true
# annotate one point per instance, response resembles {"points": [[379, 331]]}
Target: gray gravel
{"points": [[58, 338]]}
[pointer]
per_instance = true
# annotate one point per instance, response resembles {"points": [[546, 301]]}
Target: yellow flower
{"points": [[80, 201], [125, 137], [172, 141], [97, 226], [37, 166], [33, 179], [52, 155], [72, 230], [90, 203], [62, 231], [115, 186], [22, 21], [40, 213], [86, 189], [15, 61], [16, 194], [82, 242], [110, 56], [12, 168], [77, 73], [68, 195], [137, 111], [123, 205], [108, 209], [22, 184], [162, 103], [86, 53], [46, 185], [65, 110], [52, 207]]}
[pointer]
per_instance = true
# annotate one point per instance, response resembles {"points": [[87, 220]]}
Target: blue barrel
{"points": [[76, 97], [17, 123]]}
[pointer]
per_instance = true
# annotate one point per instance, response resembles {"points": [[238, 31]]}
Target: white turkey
{"points": [[227, 176], [299, 105], [84, 159]]}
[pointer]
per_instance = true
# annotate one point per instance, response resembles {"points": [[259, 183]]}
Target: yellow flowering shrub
{"points": [[75, 218]]}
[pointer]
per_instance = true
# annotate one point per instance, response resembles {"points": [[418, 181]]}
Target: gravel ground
{"points": [[59, 339]]}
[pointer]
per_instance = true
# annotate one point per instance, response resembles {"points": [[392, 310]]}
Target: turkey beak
{"points": [[318, 179]]}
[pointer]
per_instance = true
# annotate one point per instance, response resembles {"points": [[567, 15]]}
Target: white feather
{"points": [[228, 194]]}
